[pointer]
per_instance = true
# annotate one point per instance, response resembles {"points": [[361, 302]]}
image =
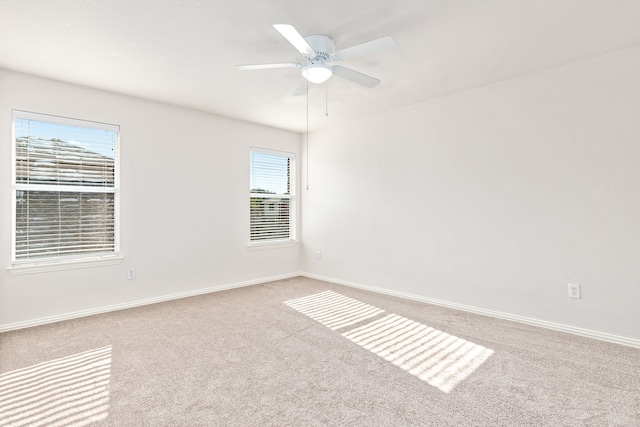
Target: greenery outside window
{"points": [[271, 196]]}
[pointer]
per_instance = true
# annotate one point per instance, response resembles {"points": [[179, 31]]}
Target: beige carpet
{"points": [[301, 352]]}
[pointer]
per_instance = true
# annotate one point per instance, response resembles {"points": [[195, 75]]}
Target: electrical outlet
{"points": [[318, 255], [131, 274], [574, 290]]}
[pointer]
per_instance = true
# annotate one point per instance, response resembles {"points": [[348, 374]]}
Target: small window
{"points": [[272, 196], [65, 182]]}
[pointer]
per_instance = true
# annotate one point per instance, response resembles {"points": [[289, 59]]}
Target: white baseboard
{"points": [[131, 304], [632, 342]]}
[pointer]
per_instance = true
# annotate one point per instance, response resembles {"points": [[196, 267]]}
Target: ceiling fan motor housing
{"points": [[323, 46]]}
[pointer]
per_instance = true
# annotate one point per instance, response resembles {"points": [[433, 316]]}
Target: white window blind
{"points": [[272, 196], [65, 188]]}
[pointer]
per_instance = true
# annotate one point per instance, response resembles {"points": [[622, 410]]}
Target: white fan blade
{"points": [[386, 42], [302, 87], [266, 66], [294, 37], [354, 76]]}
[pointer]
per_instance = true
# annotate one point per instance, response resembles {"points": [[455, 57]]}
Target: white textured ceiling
{"points": [[183, 52]]}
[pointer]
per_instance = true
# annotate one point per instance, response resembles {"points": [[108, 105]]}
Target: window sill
{"points": [[64, 265], [273, 244]]}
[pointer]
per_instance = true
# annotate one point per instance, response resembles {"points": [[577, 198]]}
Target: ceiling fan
{"points": [[318, 50]]}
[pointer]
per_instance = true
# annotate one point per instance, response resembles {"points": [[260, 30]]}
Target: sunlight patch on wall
{"points": [[72, 391], [436, 357], [333, 310]]}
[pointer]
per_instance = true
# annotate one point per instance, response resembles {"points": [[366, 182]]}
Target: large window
{"points": [[65, 182], [272, 196]]}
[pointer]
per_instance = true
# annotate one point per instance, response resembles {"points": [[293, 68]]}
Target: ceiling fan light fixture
{"points": [[317, 73]]}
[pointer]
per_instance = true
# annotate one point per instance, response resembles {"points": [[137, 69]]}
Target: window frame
{"points": [[64, 262], [292, 239]]}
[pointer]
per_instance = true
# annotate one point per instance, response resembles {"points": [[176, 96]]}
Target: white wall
{"points": [[494, 198], [184, 203]]}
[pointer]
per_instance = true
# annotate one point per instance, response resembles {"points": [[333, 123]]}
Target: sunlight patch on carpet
{"points": [[436, 357], [72, 391], [440, 359], [333, 310]]}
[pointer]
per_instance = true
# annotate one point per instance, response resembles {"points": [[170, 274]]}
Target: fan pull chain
{"points": [[307, 135], [326, 99]]}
